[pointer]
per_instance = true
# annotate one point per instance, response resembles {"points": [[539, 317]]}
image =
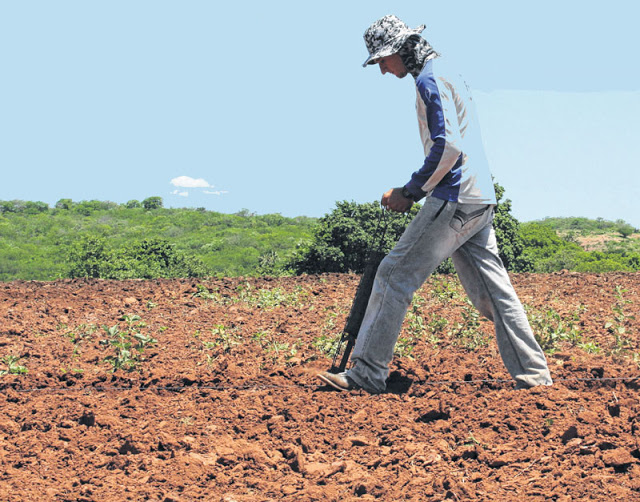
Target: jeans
{"points": [[465, 233]]}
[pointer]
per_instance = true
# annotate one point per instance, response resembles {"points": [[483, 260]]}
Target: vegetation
{"points": [[142, 239], [551, 329], [128, 345], [585, 226], [13, 368], [546, 251], [619, 324], [344, 237], [147, 259]]}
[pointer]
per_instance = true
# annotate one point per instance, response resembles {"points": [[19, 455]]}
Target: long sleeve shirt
{"points": [[455, 166]]}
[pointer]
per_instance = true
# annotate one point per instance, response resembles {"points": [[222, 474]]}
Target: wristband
{"points": [[407, 194]]}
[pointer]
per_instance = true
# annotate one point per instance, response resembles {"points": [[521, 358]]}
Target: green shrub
{"points": [[343, 238], [146, 259]]}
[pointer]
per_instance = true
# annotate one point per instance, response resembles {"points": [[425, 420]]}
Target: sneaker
{"points": [[338, 381]]}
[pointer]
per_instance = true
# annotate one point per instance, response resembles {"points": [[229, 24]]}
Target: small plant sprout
{"points": [[590, 347], [618, 326], [327, 344], [82, 333], [444, 288], [471, 441], [128, 345], [205, 294], [271, 345], [269, 299], [133, 321], [281, 349], [550, 328], [436, 325], [415, 328], [223, 339], [260, 337], [467, 333], [404, 347], [13, 368]]}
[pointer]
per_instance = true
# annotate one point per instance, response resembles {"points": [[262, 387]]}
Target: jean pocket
{"points": [[461, 219]]}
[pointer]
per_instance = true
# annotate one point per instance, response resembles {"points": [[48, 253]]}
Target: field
{"points": [[180, 390]]}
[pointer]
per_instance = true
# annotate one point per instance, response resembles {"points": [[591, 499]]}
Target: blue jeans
{"points": [[442, 229]]}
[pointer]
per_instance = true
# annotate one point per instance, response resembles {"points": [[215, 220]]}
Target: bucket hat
{"points": [[386, 36]]}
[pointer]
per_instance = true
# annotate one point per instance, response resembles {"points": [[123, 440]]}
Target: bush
{"points": [[64, 204], [625, 230], [507, 229], [344, 236], [147, 259], [151, 203], [89, 258], [24, 207]]}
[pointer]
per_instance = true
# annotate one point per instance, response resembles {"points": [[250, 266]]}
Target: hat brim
{"points": [[393, 46]]}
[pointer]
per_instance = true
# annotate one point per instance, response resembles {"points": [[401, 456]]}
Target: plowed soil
{"points": [[224, 405]]}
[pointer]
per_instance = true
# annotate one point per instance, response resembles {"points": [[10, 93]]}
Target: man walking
{"points": [[455, 221]]}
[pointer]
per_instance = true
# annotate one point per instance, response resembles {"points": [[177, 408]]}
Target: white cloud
{"points": [[188, 182], [182, 194], [215, 192]]}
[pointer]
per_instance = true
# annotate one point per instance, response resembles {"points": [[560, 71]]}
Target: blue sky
{"points": [[265, 105]]}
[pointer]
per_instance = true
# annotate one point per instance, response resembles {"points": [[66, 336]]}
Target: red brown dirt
{"points": [[225, 406]]}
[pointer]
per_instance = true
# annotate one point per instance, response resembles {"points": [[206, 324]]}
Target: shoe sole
{"points": [[330, 383]]}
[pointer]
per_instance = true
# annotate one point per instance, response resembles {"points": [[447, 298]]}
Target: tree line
{"points": [[142, 239]]}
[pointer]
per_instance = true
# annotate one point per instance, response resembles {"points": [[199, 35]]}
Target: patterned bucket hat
{"points": [[386, 36]]}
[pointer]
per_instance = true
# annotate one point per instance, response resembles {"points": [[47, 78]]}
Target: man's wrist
{"points": [[407, 194]]}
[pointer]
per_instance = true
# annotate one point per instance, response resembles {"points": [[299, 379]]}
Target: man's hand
{"points": [[394, 200]]}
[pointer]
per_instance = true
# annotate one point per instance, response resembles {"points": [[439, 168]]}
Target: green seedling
{"points": [[444, 289], [75, 371], [205, 294], [329, 325], [281, 349], [618, 326], [471, 441], [224, 338], [81, 334], [414, 329], [550, 328], [13, 368], [467, 333], [590, 347], [260, 337], [327, 344], [404, 347], [128, 345], [133, 321], [270, 298], [270, 345], [436, 325]]}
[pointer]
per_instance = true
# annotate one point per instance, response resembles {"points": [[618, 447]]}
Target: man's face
{"points": [[393, 64]]}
